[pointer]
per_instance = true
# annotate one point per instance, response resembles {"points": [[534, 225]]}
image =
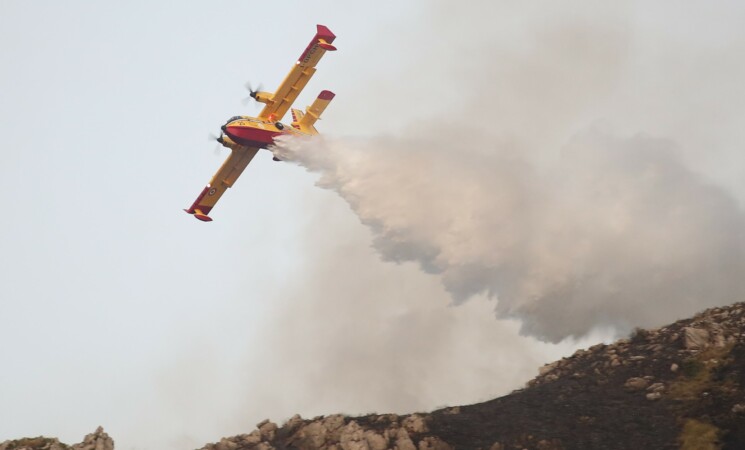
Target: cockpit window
{"points": [[234, 118]]}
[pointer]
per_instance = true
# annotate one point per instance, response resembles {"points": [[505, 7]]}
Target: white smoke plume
{"points": [[569, 176], [616, 233]]}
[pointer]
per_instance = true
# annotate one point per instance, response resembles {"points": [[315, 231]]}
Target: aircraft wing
{"points": [[281, 101], [225, 177]]}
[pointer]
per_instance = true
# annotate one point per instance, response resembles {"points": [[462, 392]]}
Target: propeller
{"points": [[219, 146], [251, 92]]}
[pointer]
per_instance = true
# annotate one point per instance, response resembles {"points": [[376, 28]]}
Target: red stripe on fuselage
{"points": [[250, 136]]}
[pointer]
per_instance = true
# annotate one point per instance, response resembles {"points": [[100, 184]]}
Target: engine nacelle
{"points": [[262, 97]]}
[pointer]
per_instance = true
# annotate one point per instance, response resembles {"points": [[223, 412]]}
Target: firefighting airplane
{"points": [[244, 135]]}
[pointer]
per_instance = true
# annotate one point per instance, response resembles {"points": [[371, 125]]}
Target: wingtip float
{"points": [[245, 135]]}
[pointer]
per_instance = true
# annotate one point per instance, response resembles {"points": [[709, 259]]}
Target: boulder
{"points": [[656, 387], [333, 422], [98, 440], [415, 424], [375, 441], [252, 438], [352, 437], [226, 444], [636, 384], [654, 395], [267, 429], [433, 443], [695, 338], [293, 423], [543, 370], [311, 436], [403, 441]]}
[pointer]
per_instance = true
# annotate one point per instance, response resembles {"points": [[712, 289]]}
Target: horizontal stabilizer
{"points": [[314, 111], [199, 214], [202, 217]]}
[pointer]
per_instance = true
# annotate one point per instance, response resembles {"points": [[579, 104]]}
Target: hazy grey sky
{"points": [[121, 310]]}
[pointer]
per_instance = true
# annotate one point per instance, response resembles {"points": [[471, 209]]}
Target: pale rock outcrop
{"points": [[252, 438], [310, 436], [695, 338], [226, 444], [337, 432], [403, 441], [433, 443], [98, 440], [333, 425], [415, 424], [543, 370], [263, 446], [39, 443], [353, 437], [375, 441], [317, 433], [293, 423], [267, 429]]}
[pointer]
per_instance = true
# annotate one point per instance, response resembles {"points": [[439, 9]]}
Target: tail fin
{"points": [[305, 122]]}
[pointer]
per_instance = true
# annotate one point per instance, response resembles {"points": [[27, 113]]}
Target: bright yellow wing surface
{"points": [[280, 102], [230, 170]]}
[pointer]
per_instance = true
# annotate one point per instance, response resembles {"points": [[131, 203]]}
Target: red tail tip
{"points": [[324, 33], [326, 95]]}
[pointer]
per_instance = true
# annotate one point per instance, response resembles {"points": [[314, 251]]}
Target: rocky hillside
{"points": [[679, 386], [98, 440]]}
